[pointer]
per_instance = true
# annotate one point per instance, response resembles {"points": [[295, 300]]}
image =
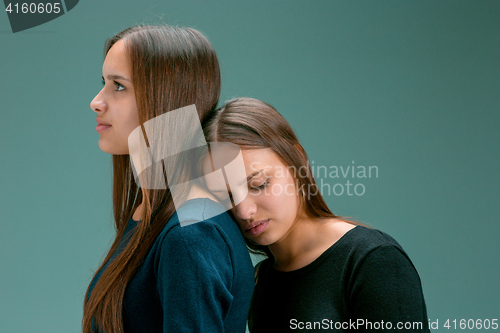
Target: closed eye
{"points": [[260, 187]]}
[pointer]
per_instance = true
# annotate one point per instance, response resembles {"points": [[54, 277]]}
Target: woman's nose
{"points": [[246, 209], [98, 104]]}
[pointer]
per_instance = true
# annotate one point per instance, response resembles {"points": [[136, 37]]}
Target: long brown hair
{"points": [[253, 124], [171, 67]]}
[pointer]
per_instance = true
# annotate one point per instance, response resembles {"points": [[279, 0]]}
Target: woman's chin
{"points": [[262, 241], [106, 147]]}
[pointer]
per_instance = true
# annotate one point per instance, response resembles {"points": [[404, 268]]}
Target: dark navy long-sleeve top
{"points": [[195, 278]]}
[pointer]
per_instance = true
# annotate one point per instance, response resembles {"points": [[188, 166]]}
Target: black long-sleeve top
{"points": [[364, 282]]}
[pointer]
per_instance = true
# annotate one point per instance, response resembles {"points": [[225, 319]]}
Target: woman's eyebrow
{"points": [[253, 174], [116, 77]]}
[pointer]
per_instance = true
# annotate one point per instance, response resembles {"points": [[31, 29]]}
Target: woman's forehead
{"points": [[116, 62]]}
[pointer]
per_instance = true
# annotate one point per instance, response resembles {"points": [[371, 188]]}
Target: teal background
{"points": [[411, 87]]}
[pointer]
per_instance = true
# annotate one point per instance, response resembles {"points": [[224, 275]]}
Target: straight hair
{"points": [[253, 124], [171, 67]]}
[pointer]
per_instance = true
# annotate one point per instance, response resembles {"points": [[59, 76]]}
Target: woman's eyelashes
{"points": [[254, 187], [119, 86]]}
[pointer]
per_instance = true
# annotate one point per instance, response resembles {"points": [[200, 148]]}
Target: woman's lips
{"points": [[257, 227], [101, 128]]}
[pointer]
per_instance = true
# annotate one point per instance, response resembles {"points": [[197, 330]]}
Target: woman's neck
{"points": [[306, 240], [197, 191], [140, 212]]}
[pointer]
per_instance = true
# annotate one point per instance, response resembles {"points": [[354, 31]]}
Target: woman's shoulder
{"points": [[195, 211], [201, 232], [363, 242], [369, 238], [201, 224], [194, 217]]}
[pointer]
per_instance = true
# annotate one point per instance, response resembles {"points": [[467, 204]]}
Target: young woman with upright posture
{"points": [[159, 276], [322, 272]]}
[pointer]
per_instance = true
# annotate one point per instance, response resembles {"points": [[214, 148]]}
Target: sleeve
{"points": [[386, 294], [194, 277]]}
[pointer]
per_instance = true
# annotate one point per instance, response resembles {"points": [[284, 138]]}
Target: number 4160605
{"points": [[33, 8], [472, 324]]}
